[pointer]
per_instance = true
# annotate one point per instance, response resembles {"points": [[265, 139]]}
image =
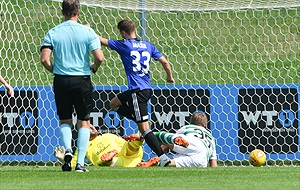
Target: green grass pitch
{"points": [[30, 177]]}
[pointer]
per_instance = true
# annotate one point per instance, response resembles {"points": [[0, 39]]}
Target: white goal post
{"points": [[237, 61]]}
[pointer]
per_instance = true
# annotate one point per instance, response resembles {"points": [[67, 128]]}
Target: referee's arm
{"points": [[45, 58], [98, 59]]}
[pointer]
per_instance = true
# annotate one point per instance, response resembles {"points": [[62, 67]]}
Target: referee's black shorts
{"points": [[73, 92]]}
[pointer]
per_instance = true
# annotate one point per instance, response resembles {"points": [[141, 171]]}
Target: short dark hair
{"points": [[70, 7], [199, 119], [126, 25]]}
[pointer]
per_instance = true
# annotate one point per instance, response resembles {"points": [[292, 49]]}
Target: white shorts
{"points": [[192, 156]]}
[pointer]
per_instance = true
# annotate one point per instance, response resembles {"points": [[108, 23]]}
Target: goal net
{"points": [[236, 61]]}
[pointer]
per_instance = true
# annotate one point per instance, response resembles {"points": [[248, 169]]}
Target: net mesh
{"points": [[190, 5]]}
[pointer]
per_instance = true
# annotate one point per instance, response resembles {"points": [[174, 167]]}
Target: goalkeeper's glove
{"points": [[59, 153]]}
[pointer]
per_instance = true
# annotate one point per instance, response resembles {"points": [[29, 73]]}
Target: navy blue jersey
{"points": [[136, 56]]}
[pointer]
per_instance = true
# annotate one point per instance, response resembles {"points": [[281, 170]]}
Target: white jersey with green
{"points": [[201, 147]]}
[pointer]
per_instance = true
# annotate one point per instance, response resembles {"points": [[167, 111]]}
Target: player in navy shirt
{"points": [[136, 56]]}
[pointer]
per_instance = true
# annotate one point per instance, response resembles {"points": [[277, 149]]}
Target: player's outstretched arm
{"points": [[59, 153], [7, 86], [103, 41], [167, 67], [93, 132]]}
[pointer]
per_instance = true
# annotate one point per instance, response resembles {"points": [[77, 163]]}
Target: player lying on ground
{"points": [[201, 149], [109, 150]]}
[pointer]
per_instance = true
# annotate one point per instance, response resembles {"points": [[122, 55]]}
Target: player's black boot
{"points": [[80, 168], [66, 167]]}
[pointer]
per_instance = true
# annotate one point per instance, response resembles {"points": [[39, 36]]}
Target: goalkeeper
{"points": [[109, 150], [199, 151]]}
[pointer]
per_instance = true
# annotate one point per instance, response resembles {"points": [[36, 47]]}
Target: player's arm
{"points": [[213, 158], [59, 153], [103, 41], [45, 58], [167, 67], [93, 132], [167, 147], [213, 163], [7, 86]]}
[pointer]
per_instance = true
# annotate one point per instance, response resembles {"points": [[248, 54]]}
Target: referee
{"points": [[71, 43]]}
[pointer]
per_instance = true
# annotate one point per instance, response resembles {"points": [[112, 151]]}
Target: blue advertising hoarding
{"points": [[241, 117]]}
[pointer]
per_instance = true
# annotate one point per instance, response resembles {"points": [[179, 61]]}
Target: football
{"points": [[257, 158]]}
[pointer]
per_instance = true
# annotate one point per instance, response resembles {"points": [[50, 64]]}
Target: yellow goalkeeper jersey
{"points": [[107, 142]]}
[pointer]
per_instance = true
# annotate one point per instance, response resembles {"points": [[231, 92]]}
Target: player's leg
{"points": [[140, 107], [133, 145], [64, 112], [82, 101], [82, 144], [66, 136], [154, 161], [115, 103], [192, 156], [150, 138], [121, 105], [154, 144]]}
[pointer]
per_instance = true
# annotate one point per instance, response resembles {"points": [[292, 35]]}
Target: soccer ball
{"points": [[257, 158]]}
